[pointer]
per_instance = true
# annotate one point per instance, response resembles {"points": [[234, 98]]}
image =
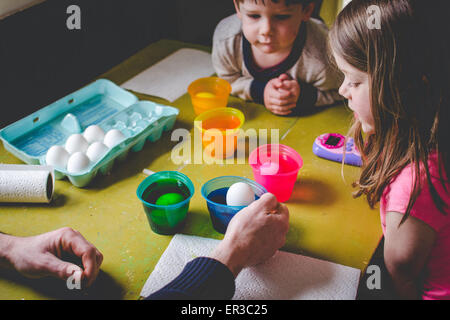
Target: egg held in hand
{"points": [[240, 194]]}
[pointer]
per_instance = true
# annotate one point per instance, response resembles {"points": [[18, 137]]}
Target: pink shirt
{"points": [[395, 199]]}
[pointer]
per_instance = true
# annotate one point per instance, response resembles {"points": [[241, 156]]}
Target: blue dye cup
{"points": [[215, 191], [166, 219]]}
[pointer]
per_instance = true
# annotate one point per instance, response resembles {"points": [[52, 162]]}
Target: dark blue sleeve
{"points": [[257, 91], [203, 279], [308, 96], [307, 99]]}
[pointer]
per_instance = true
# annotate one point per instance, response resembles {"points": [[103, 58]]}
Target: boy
{"points": [[272, 52]]}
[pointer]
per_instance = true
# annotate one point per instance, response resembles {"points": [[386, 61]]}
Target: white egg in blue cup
{"points": [[215, 193]]}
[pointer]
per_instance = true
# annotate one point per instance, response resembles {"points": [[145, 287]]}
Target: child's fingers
{"points": [[276, 83], [281, 110], [282, 94], [282, 99], [279, 102], [289, 84], [284, 77]]}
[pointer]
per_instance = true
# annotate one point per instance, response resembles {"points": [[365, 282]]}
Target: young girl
{"points": [[395, 58]]}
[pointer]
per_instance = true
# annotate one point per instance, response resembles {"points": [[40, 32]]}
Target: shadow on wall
{"points": [[41, 60]]}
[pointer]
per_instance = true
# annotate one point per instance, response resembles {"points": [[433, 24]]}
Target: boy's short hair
{"points": [[286, 2]]}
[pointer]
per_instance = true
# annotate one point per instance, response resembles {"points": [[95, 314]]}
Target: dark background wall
{"points": [[41, 60]]}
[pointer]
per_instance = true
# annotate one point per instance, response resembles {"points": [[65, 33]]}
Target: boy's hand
{"points": [[281, 95]]}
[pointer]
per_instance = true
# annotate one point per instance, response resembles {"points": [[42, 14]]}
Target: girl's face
{"points": [[355, 88], [271, 27]]}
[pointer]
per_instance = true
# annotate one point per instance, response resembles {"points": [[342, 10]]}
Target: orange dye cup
{"points": [[219, 130], [209, 93]]}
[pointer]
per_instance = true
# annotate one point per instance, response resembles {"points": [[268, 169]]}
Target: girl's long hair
{"points": [[403, 46]]}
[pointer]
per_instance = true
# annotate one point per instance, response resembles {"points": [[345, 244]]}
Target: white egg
{"points": [[113, 137], [96, 151], [94, 133], [76, 143], [240, 194], [78, 162], [57, 157]]}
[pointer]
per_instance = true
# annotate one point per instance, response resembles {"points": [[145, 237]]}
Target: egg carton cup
{"points": [[102, 103], [157, 119]]}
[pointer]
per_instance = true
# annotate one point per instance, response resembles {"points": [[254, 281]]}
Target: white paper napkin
{"points": [[170, 78], [285, 276]]}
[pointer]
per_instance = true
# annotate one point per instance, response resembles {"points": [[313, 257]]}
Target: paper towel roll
{"points": [[26, 183]]}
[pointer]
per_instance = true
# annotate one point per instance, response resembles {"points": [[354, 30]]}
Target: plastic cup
{"points": [[276, 167], [165, 219], [214, 191], [220, 129], [209, 93]]}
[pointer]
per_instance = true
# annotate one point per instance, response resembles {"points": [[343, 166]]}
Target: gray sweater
{"points": [[308, 63]]}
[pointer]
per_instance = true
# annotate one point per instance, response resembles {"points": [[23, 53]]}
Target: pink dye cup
{"points": [[276, 166]]}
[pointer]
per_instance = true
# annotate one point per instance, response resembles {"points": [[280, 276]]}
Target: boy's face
{"points": [[271, 27]]}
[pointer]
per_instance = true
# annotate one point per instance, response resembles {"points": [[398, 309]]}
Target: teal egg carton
{"points": [[101, 103]]}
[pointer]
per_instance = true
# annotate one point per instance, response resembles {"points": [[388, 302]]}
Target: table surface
{"points": [[325, 221]]}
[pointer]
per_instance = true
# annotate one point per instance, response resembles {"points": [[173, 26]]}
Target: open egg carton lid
{"points": [[102, 103]]}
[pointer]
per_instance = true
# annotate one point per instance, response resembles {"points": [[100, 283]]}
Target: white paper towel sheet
{"points": [[170, 78], [26, 183], [283, 277]]}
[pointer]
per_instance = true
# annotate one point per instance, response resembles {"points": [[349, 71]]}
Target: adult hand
{"points": [[40, 255], [281, 95], [254, 234]]}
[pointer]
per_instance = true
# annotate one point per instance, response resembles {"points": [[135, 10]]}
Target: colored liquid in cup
{"points": [[219, 196], [215, 192], [209, 93], [205, 95], [165, 197], [276, 169], [160, 189], [283, 165], [220, 129], [221, 123], [220, 221]]}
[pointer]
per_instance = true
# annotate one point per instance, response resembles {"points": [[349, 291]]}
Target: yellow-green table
{"points": [[325, 221]]}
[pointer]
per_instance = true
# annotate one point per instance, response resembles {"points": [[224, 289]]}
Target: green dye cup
{"points": [[166, 219]]}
